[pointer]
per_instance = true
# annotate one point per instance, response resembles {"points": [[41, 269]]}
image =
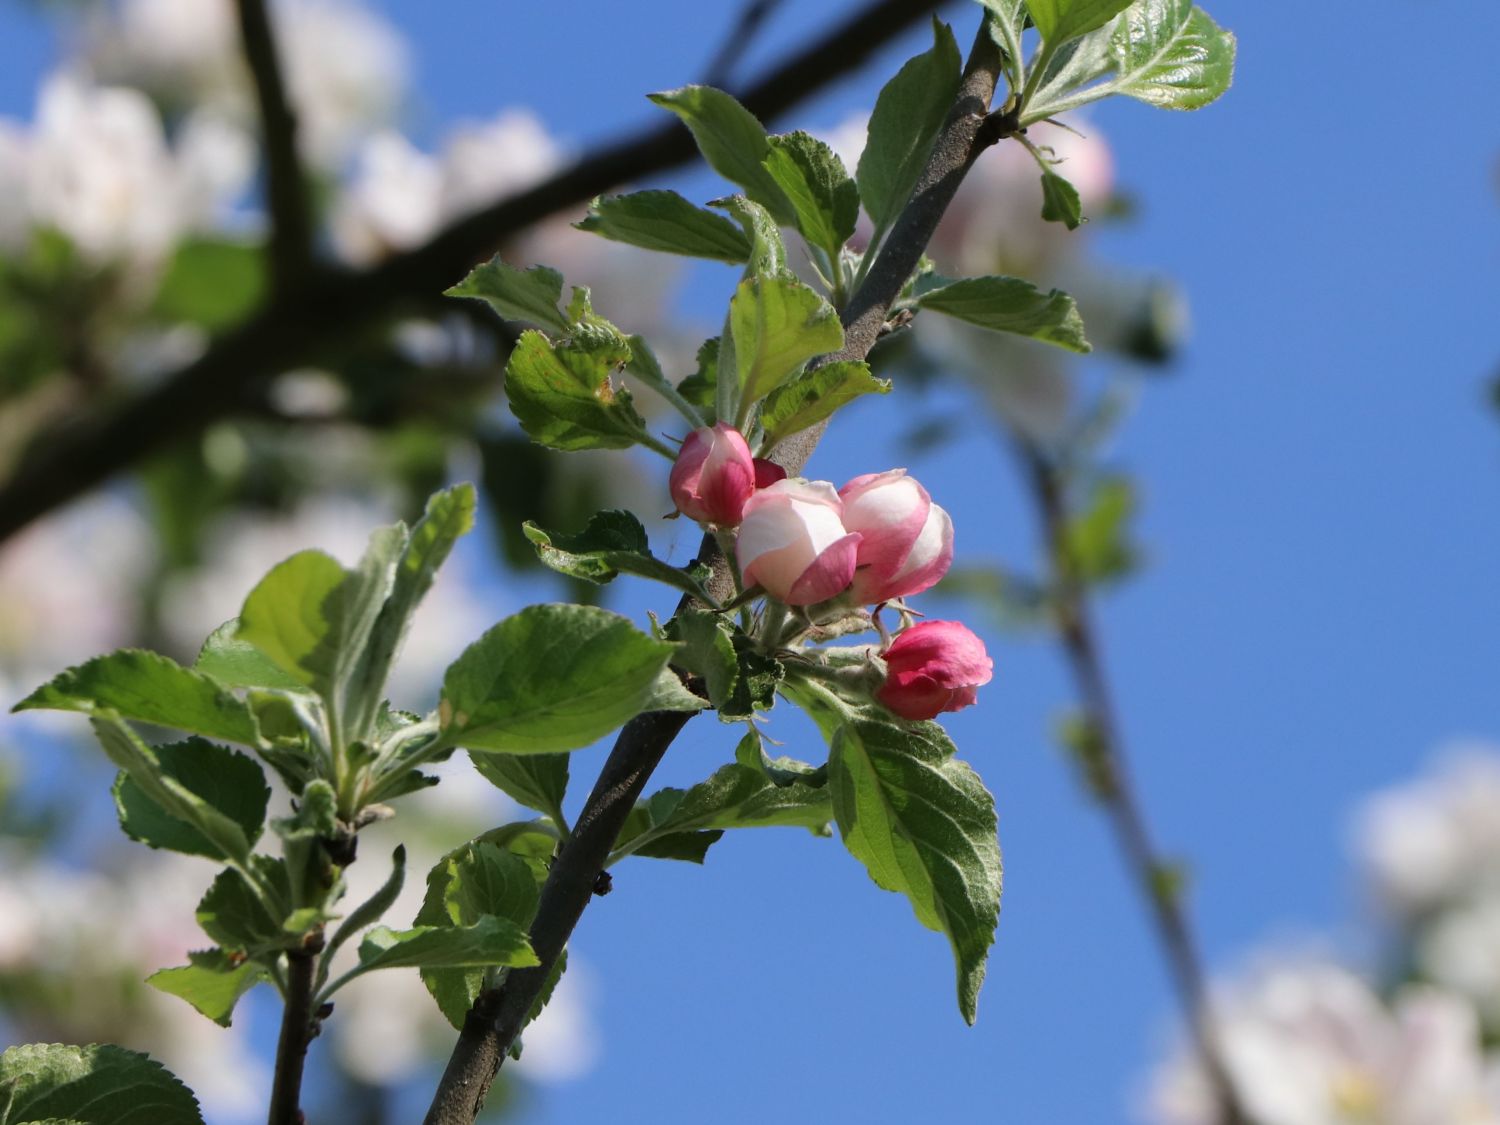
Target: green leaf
{"points": [[645, 367], [493, 875], [731, 140], [531, 295], [825, 199], [669, 693], [701, 388], [665, 221], [782, 771], [1007, 21], [755, 687], [1097, 539], [613, 543], [217, 834], [923, 824], [778, 324], [212, 283], [563, 394], [767, 250], [449, 515], [148, 688], [1061, 20], [552, 677], [682, 824], [97, 1085], [1008, 304], [313, 619], [232, 660], [373, 908], [538, 781], [1060, 202], [225, 780], [908, 115], [707, 652], [212, 982], [1171, 54], [815, 396], [236, 917], [489, 942], [1167, 53]]}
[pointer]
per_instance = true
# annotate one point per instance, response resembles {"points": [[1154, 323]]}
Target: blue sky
{"points": [[1320, 479]]}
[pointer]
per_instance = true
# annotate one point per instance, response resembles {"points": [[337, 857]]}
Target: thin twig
{"points": [[69, 459], [751, 19], [497, 1016], [1109, 780], [286, 191], [297, 1021]]}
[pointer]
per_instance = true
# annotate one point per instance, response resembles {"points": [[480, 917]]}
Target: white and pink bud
{"points": [[714, 475], [906, 542], [934, 667], [793, 542]]}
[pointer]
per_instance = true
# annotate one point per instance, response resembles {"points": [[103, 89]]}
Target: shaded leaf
{"points": [[908, 115], [489, 942], [531, 295], [1060, 202], [732, 141], [1008, 304], [665, 221], [229, 782]]}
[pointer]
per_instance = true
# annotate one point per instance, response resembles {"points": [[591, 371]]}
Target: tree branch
{"points": [[286, 192], [68, 460], [1109, 780], [747, 25], [296, 1033], [498, 1015]]}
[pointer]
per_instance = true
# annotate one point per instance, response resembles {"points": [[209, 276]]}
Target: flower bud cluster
{"points": [[878, 539]]}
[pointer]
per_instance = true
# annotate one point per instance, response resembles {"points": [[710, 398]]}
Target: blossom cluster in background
{"points": [[1311, 1041]]}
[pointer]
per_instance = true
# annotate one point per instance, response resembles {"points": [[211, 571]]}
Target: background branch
{"points": [[290, 246], [751, 19], [69, 459], [498, 1015], [1109, 780]]}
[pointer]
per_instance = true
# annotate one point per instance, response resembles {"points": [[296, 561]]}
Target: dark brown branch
{"points": [[296, 1033], [67, 461], [286, 191], [498, 1015], [1108, 776]]}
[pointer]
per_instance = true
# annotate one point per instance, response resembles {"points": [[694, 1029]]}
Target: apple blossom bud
{"points": [[794, 543], [767, 472], [907, 543], [933, 667], [714, 476]]}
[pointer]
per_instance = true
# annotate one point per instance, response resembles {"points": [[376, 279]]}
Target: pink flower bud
{"points": [[767, 472], [714, 476], [794, 543], [907, 543], [934, 667]]}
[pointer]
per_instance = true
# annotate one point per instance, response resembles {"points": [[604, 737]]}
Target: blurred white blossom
{"points": [[67, 590], [96, 166], [81, 943], [346, 67], [1307, 1042], [1435, 841]]}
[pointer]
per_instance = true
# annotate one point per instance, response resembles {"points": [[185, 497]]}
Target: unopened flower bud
{"points": [[934, 667], [794, 543], [714, 475], [907, 540]]}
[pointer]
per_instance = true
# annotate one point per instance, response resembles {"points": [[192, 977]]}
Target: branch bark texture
{"points": [[301, 324], [497, 1017], [296, 1034]]}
